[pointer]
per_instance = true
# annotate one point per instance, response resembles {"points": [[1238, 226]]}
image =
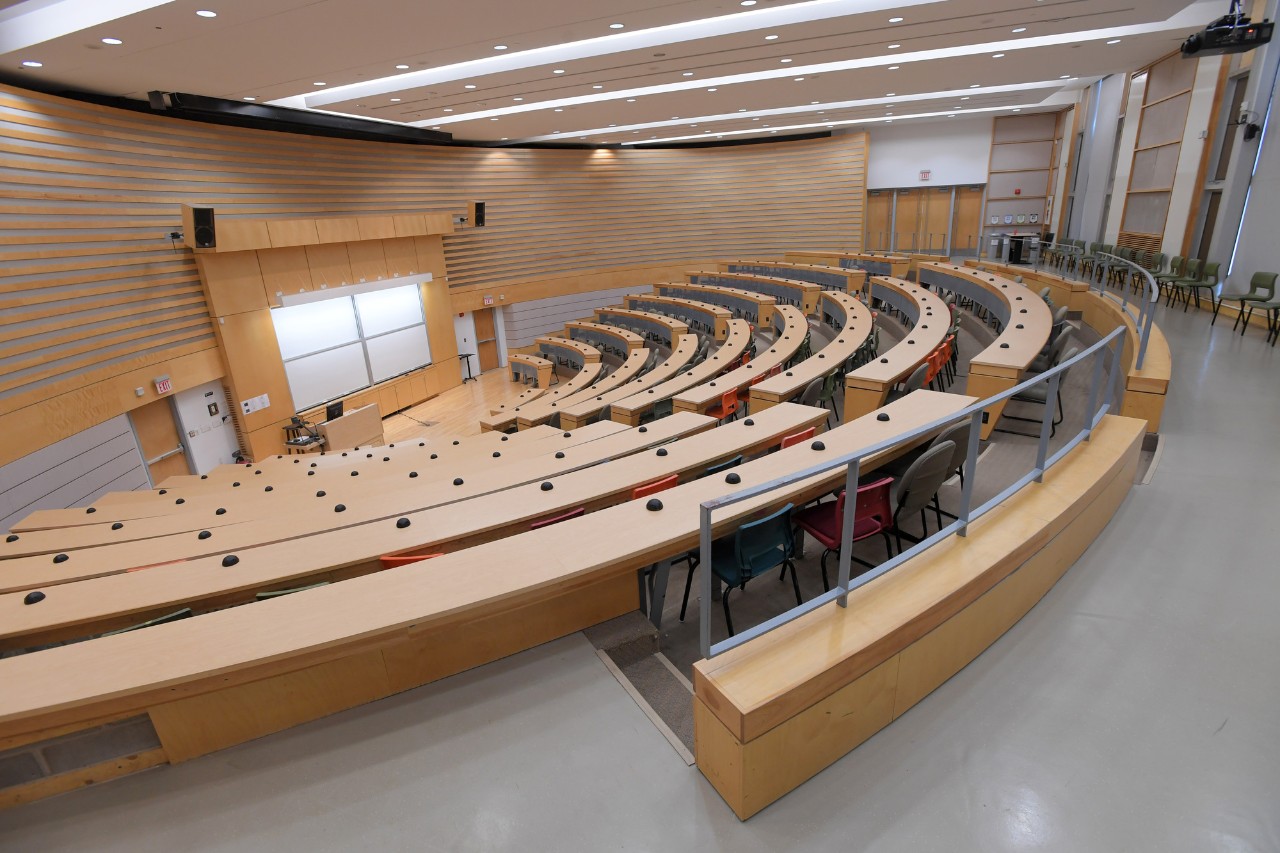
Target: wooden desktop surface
{"points": [[372, 614], [715, 316], [92, 606], [577, 414], [506, 416], [805, 293], [674, 329], [857, 326], [699, 398], [763, 304], [629, 409], [362, 426], [899, 264], [540, 367], [626, 341], [549, 405], [855, 280]]}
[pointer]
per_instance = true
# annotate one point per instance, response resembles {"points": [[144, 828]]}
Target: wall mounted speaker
{"points": [[476, 214], [202, 228]]}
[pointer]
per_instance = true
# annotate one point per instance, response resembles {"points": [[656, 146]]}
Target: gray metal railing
{"points": [[1106, 355]]}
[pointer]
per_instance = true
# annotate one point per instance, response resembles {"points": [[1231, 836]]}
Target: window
{"points": [[341, 344]]}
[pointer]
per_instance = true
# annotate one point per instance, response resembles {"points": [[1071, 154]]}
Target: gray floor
{"points": [[1136, 708]]}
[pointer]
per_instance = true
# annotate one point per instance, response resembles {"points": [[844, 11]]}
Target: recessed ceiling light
{"points": [[437, 127], [895, 20], [558, 71], [517, 99], [693, 125], [613, 125], [112, 41], [395, 100], [889, 106], [747, 3], [965, 98], [1020, 30], [597, 86], [894, 67], [757, 118], [505, 138], [713, 89], [402, 68], [248, 98], [31, 63], [1113, 41], [1065, 77], [894, 46], [319, 84], [1017, 109], [616, 26], [499, 47], [631, 100], [997, 56], [742, 109], [448, 109], [559, 110], [773, 131], [974, 85], [888, 121], [687, 74], [798, 79], [890, 94], [205, 13], [495, 118], [784, 61], [951, 115], [770, 38], [469, 86]]}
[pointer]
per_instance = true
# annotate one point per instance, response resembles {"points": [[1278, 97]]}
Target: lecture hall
{"points": [[716, 425]]}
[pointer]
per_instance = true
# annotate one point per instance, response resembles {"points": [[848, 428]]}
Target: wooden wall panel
{"points": [[89, 195]]}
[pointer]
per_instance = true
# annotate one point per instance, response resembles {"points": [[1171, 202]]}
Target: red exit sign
{"points": [[164, 385]]}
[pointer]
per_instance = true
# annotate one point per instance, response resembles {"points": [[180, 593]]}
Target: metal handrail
{"points": [[1106, 359]]}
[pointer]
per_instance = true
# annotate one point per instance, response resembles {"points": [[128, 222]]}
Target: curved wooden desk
{"points": [[791, 326], [828, 278], [522, 365], [579, 413], [867, 388], [550, 405], [441, 485], [631, 408], [755, 308], [851, 322], [93, 606], [564, 351], [605, 338], [226, 677], [1027, 322], [658, 326], [894, 266], [785, 291], [701, 317]]}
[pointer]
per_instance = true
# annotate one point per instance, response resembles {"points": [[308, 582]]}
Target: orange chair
{"points": [[556, 519], [404, 559], [654, 487], [798, 437], [728, 406]]}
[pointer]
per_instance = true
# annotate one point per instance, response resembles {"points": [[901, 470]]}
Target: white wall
{"points": [[210, 439], [1257, 250], [525, 321], [73, 472], [1124, 162], [464, 332], [1098, 151], [956, 151], [1194, 140]]}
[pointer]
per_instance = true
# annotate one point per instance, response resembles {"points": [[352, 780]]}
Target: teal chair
{"points": [[1262, 288], [754, 549]]}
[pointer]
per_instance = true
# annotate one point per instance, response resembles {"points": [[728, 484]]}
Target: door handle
{"points": [[166, 455]]}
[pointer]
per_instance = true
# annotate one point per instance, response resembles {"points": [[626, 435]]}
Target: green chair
{"points": [[1262, 288], [1182, 288], [827, 399], [754, 549]]}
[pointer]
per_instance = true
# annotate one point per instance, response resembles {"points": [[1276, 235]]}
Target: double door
{"points": [[929, 220]]}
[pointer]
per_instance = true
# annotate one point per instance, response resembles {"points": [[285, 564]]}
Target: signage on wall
{"points": [[255, 404], [488, 300], [163, 384], [926, 174]]}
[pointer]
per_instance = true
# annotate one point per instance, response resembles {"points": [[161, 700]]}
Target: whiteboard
{"points": [[313, 326], [384, 310], [398, 352], [316, 378]]}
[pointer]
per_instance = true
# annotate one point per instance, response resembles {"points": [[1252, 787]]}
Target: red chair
{"points": [[872, 514], [654, 487], [796, 438], [556, 519], [728, 406], [404, 559]]}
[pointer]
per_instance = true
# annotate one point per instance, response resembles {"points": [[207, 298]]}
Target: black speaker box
{"points": [[202, 221], [477, 214]]}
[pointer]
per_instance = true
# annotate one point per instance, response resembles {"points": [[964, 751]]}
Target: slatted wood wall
{"points": [[91, 288]]}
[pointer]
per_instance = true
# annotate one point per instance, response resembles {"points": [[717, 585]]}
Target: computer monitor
{"points": [[333, 411]]}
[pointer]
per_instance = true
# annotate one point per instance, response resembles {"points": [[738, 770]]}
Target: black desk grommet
{"points": [[457, 481], [12, 537], [662, 451], [344, 453], [1004, 346], [340, 508], [882, 417], [33, 597], [1017, 299], [257, 472], [203, 534], [504, 438], [402, 523], [884, 361], [653, 505], [295, 462], [644, 429], [818, 445], [229, 561], [413, 475], [355, 473], [311, 473], [455, 441], [313, 465], [496, 454], [924, 326], [391, 445], [61, 558], [713, 384], [206, 476], [180, 501], [164, 491], [1022, 310], [650, 391], [749, 422], [90, 511], [1019, 326], [732, 479], [386, 459], [559, 454], [368, 456], [117, 525], [435, 455], [422, 444], [220, 511], [568, 434], [269, 489], [546, 487], [235, 485], [321, 493]]}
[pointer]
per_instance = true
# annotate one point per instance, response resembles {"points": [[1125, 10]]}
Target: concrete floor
{"points": [[1136, 708]]}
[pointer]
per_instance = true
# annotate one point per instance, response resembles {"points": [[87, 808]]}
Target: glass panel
{"points": [[398, 352], [384, 310], [314, 326], [326, 375]]}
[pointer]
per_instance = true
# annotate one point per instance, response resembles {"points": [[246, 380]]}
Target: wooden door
{"points": [[934, 220], [879, 220], [966, 224], [486, 340], [157, 432], [906, 229]]}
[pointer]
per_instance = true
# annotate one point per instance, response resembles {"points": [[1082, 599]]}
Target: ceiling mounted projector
{"points": [[1232, 33]]}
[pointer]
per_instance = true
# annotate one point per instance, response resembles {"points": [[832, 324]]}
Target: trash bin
{"points": [[1018, 249]]}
